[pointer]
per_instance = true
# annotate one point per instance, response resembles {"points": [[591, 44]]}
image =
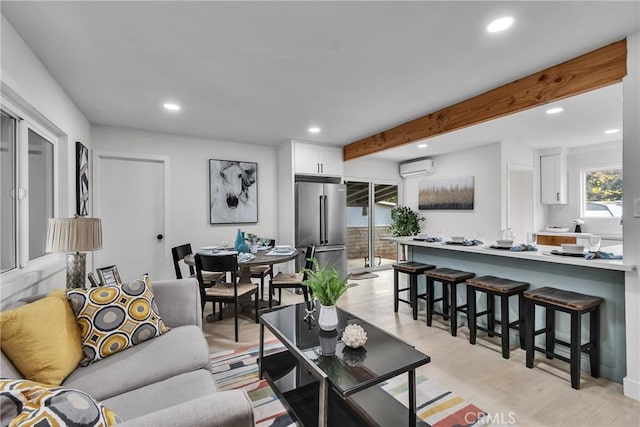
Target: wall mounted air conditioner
{"points": [[417, 167]]}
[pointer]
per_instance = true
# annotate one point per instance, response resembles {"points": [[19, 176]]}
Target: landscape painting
{"points": [[452, 193]]}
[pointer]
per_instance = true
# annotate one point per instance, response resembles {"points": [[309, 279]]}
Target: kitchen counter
{"points": [[597, 277], [543, 254]]}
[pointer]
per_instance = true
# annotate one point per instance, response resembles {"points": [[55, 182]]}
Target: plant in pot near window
{"points": [[404, 222], [327, 286]]}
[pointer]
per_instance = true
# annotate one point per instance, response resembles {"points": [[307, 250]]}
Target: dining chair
{"points": [[262, 271], [292, 280], [225, 292], [179, 252]]}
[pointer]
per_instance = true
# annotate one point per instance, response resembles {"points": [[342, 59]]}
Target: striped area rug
{"points": [[232, 369]]}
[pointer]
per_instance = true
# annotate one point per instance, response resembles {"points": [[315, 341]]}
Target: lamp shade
{"points": [[79, 234]]}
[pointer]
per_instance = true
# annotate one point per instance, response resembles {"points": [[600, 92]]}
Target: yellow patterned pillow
{"points": [[114, 318], [42, 338], [27, 403]]}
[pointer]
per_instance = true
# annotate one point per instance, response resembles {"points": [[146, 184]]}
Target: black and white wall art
{"points": [[233, 192], [452, 193], [82, 179]]}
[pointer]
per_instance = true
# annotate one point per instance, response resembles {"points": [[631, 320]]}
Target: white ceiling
{"points": [[263, 72]]}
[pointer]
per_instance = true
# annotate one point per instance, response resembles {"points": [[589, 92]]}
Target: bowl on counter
{"points": [[504, 243], [571, 248], [457, 239], [554, 229]]}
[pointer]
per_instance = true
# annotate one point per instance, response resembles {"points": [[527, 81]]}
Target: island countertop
{"points": [[543, 254]]}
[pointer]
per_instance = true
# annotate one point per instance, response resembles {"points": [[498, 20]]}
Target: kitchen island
{"points": [[598, 277]]}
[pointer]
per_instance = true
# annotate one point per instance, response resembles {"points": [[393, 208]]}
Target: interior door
{"points": [[130, 199]]}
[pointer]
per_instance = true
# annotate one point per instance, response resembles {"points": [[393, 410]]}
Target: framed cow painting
{"points": [[233, 192]]}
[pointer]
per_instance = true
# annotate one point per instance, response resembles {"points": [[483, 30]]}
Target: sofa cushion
{"points": [[27, 403], [181, 350], [114, 318], [163, 394], [42, 339]]}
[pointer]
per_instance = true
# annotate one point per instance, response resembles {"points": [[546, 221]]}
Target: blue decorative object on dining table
{"points": [[241, 245], [602, 255], [474, 242], [522, 248]]}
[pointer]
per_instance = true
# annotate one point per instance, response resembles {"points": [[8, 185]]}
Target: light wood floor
{"points": [[505, 389]]}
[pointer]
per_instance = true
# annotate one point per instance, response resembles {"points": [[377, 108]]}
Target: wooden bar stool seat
{"points": [[575, 304], [493, 287], [413, 270], [450, 279]]}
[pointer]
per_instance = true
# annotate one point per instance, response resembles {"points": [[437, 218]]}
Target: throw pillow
{"points": [[26, 403], [114, 318], [42, 338]]}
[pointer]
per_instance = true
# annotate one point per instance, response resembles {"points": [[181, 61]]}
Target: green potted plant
{"points": [[327, 287], [405, 221]]}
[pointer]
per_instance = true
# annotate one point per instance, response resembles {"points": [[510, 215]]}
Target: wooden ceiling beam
{"points": [[593, 70]]}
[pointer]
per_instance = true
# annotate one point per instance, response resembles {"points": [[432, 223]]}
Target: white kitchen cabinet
{"points": [[311, 159], [553, 179]]}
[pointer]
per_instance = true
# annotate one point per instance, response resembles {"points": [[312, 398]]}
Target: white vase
{"points": [[328, 318]]}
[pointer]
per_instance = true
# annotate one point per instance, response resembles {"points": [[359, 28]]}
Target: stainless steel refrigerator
{"points": [[321, 219]]}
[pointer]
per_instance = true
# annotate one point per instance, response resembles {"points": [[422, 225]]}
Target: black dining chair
{"points": [[292, 280], [179, 252], [262, 271], [225, 292]]}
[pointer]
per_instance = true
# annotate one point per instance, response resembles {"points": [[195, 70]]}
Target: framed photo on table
{"points": [[233, 192], [108, 276], [82, 179]]}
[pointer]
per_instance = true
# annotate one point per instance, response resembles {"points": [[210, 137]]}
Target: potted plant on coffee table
{"points": [[327, 286]]}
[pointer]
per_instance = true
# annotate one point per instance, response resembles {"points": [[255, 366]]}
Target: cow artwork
{"points": [[233, 192]]}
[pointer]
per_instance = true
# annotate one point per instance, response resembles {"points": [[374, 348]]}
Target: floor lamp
{"points": [[77, 234]]}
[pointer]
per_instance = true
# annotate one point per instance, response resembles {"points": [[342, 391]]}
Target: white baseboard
{"points": [[631, 388]]}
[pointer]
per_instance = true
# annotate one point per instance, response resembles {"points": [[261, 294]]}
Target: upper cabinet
{"points": [[312, 159], [553, 179]]}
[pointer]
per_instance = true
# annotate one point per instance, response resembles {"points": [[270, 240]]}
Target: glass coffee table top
{"points": [[349, 370]]}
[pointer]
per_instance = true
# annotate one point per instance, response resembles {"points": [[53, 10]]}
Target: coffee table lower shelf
{"points": [[299, 392]]}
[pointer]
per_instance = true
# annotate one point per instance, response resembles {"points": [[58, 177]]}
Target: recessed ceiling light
{"points": [[314, 129], [611, 131], [555, 110], [171, 107], [422, 146], [500, 24]]}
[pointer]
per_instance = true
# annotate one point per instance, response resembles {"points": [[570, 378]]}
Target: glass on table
{"points": [[224, 244], [532, 239], [594, 243]]}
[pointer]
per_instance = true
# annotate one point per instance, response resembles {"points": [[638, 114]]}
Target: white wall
{"points": [[27, 84], [485, 164], [188, 218], [579, 158], [631, 192]]}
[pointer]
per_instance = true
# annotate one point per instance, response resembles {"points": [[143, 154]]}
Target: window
{"points": [[602, 193], [27, 185]]}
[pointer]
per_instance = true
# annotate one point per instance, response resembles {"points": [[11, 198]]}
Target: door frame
{"points": [[515, 167], [99, 155]]}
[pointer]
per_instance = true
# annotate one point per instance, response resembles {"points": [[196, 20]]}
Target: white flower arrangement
{"points": [[578, 221], [354, 336]]}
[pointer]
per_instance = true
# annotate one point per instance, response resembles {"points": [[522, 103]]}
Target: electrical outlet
{"points": [[636, 208]]}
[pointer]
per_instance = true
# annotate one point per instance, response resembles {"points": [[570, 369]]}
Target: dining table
{"points": [[262, 257]]}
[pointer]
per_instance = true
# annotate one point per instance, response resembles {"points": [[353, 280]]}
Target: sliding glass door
{"points": [[368, 218]]}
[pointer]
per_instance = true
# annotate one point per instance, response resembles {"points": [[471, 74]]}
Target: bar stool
{"points": [[412, 269], [449, 278], [496, 287], [576, 305]]}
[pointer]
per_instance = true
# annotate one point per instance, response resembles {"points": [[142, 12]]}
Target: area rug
{"points": [[233, 369]]}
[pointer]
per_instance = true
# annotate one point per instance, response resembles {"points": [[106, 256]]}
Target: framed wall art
{"points": [[452, 193], [82, 179], [233, 192]]}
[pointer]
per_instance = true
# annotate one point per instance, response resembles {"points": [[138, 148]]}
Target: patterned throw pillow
{"points": [[27, 403], [114, 318]]}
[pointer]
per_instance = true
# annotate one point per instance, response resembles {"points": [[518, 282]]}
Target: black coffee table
{"points": [[340, 389]]}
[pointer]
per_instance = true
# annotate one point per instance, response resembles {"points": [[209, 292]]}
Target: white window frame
{"points": [[583, 190], [24, 123]]}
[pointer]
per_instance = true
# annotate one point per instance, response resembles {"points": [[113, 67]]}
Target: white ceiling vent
{"points": [[417, 167]]}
